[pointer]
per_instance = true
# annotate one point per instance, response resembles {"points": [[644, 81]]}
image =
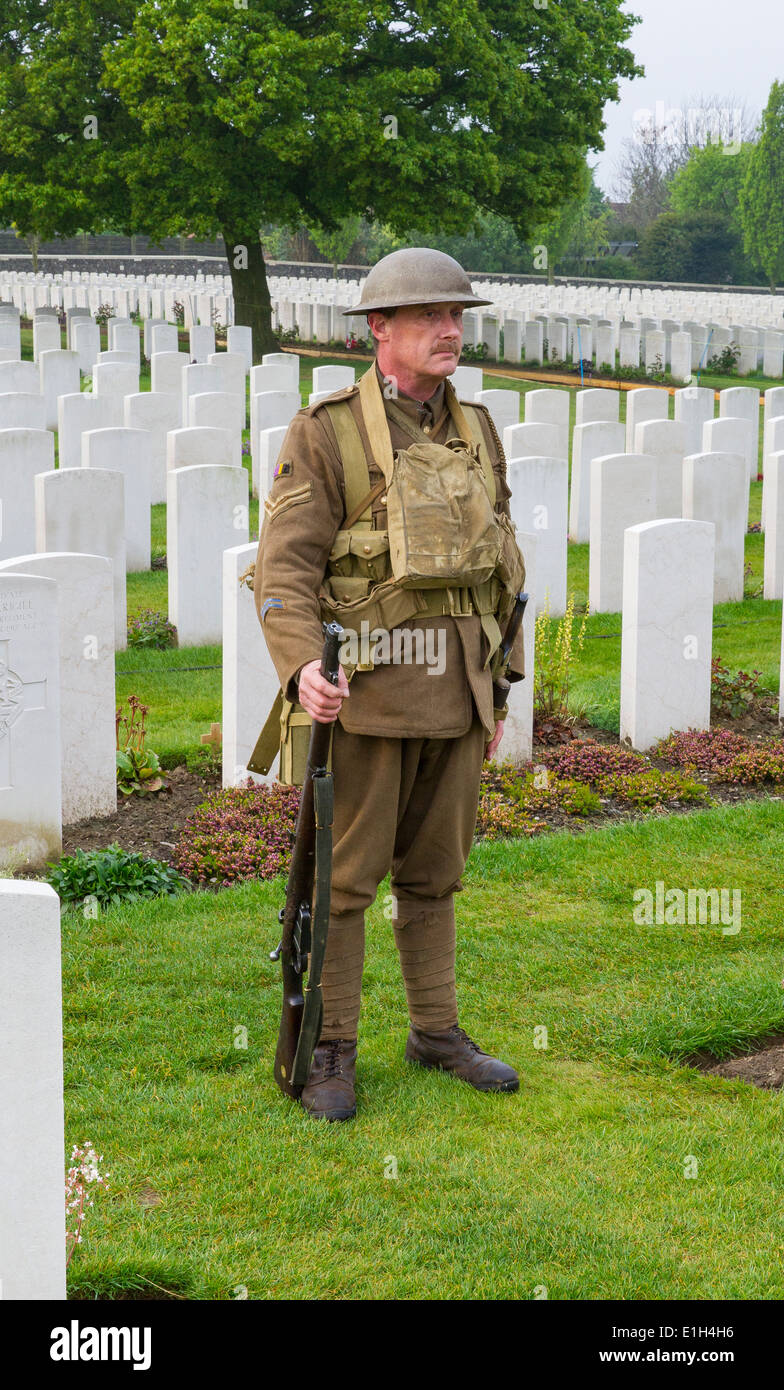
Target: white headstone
{"points": [[220, 409], [239, 338], [85, 604], [268, 409], [517, 742], [533, 441], [250, 682], [23, 454], [539, 503], [715, 489], [164, 337], [30, 806], [533, 342], [773, 570], [59, 376], [22, 410], [694, 405], [79, 412], [32, 1142], [596, 405], [290, 361], [623, 493], [666, 629], [665, 440], [20, 376], [207, 513], [550, 407], [504, 406], [643, 403], [466, 382], [115, 379], [200, 445], [126, 451], [166, 370], [157, 412], [82, 510], [744, 402], [332, 378], [86, 343], [590, 441], [202, 342]]}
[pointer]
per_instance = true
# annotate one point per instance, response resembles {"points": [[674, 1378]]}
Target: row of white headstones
{"points": [[631, 326], [97, 503]]}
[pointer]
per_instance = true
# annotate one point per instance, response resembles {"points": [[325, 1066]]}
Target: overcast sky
{"points": [[693, 48]]}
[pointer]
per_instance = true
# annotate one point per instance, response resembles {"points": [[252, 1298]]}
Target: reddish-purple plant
{"points": [[710, 750], [239, 833]]}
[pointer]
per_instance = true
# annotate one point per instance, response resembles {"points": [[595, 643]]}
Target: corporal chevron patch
{"points": [[274, 506]]}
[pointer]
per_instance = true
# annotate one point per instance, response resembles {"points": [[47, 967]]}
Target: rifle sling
{"points": [[310, 1028]]}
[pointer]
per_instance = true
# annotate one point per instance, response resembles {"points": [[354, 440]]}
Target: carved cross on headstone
{"points": [[17, 696]]}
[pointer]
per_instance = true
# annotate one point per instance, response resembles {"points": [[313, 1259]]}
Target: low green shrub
{"points": [[111, 876]]}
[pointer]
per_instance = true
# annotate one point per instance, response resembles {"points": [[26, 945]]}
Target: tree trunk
{"points": [[252, 305]]}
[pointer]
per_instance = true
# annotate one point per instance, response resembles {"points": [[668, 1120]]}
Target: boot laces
{"points": [[333, 1062], [460, 1033]]}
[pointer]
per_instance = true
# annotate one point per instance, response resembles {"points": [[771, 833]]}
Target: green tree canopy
{"points": [[711, 182], [219, 118], [762, 194], [692, 248]]}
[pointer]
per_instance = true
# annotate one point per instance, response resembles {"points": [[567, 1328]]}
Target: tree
{"points": [[578, 233], [711, 181], [762, 195], [422, 114], [644, 172], [336, 243], [691, 248], [57, 120]]}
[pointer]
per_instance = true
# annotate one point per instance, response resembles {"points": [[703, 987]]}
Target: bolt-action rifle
{"points": [[305, 916]]}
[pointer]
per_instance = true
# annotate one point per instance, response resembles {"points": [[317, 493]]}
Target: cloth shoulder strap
{"points": [[355, 469]]}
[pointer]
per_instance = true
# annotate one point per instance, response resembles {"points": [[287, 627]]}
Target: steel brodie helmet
{"points": [[416, 275]]}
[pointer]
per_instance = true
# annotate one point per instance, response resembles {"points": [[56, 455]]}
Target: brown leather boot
{"points": [[454, 1051], [329, 1093]]}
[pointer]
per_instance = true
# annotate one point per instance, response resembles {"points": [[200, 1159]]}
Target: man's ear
{"points": [[378, 323]]}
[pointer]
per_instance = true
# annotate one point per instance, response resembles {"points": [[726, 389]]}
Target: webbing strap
{"points": [[355, 469], [372, 403], [472, 419], [268, 742]]}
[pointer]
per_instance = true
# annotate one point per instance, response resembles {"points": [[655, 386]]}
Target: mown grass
{"points": [[222, 1188]]}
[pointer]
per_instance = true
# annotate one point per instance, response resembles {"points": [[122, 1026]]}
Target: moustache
{"points": [[451, 346]]}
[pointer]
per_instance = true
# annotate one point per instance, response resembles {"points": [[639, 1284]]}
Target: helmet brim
{"points": [[403, 301]]}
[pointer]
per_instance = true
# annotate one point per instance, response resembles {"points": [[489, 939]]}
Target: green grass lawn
{"points": [[220, 1187], [580, 1184]]}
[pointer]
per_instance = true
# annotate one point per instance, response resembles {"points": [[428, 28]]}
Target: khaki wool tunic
{"points": [[303, 512]]}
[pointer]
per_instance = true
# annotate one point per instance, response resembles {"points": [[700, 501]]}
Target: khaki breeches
{"points": [[406, 805]]}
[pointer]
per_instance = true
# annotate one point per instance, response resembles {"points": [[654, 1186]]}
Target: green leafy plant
{"points": [[732, 695], [726, 361], [111, 876], [207, 759], [556, 651], [138, 768], [149, 628], [475, 352]]}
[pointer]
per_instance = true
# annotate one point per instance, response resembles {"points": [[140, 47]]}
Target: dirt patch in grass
{"points": [[148, 825], [763, 1067]]}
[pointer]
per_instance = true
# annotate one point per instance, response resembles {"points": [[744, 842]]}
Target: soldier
{"points": [[412, 729]]}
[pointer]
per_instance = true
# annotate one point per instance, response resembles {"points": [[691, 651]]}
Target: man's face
{"points": [[424, 339]]}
